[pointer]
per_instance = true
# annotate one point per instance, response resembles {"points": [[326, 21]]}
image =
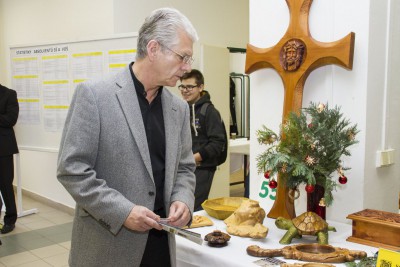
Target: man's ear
{"points": [[152, 48], [201, 87]]}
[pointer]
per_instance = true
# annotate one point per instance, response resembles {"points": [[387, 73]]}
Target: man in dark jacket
{"points": [[9, 110], [208, 133]]}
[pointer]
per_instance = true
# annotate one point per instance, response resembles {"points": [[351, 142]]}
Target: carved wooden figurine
{"points": [[309, 252], [308, 223], [247, 220]]}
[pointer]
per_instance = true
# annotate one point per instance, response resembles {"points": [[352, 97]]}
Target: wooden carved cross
{"points": [[294, 57]]}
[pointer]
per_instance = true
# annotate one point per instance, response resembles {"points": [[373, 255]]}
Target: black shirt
{"points": [[153, 121]]}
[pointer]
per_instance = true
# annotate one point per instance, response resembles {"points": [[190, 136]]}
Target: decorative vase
{"points": [[316, 201]]}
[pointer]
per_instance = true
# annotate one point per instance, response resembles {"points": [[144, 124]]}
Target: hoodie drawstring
{"points": [[194, 120]]}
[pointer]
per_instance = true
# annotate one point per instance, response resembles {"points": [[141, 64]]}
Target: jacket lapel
{"points": [[126, 94], [172, 133]]}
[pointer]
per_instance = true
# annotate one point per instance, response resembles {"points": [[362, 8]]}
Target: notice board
{"points": [[45, 77]]}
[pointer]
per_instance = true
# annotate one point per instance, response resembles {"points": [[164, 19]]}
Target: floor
{"points": [[39, 239], [43, 239]]}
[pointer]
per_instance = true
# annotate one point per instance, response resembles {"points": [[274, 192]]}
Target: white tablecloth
{"points": [[240, 146], [190, 254]]}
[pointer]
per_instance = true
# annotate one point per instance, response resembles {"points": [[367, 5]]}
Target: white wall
{"points": [[383, 128], [219, 23], [359, 92], [43, 21]]}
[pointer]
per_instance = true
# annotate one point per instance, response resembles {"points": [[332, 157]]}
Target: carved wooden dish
{"points": [[221, 208], [309, 252], [308, 264]]}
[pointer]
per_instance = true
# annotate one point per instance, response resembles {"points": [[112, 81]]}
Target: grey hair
{"points": [[163, 25]]}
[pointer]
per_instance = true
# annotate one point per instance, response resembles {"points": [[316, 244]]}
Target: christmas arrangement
{"points": [[308, 150]]}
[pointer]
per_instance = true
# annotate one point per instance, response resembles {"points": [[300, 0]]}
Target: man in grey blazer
{"points": [[126, 153]]}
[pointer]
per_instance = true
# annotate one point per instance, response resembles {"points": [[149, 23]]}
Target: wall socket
{"points": [[384, 157]]}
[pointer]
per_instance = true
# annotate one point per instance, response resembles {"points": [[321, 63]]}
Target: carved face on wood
{"points": [[292, 54]]}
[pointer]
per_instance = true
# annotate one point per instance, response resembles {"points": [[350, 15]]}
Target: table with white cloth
{"points": [[190, 254]]}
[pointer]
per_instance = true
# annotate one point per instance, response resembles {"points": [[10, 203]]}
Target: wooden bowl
{"points": [[221, 208], [315, 248]]}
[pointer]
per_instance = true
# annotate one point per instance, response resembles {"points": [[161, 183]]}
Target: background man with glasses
{"points": [[208, 133], [126, 153]]}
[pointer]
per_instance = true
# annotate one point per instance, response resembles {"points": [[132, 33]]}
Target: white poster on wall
{"points": [[45, 77]]}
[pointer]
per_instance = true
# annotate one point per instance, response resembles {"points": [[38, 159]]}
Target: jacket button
{"points": [[151, 193]]}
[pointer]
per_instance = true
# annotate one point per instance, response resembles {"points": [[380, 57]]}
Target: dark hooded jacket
{"points": [[207, 132]]}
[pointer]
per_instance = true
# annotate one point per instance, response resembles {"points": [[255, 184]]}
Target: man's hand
{"points": [[197, 158], [179, 214], [142, 219]]}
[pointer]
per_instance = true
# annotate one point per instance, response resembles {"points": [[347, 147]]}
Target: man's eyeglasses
{"points": [[188, 87], [185, 59]]}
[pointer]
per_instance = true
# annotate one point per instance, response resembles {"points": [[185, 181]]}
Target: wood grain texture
{"points": [[376, 228], [315, 54]]}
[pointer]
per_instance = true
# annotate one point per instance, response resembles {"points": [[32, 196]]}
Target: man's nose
{"points": [[187, 67]]}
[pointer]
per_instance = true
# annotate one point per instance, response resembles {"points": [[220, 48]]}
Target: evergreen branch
{"points": [[309, 148]]}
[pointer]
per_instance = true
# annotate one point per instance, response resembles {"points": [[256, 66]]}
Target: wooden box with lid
{"points": [[376, 228]]}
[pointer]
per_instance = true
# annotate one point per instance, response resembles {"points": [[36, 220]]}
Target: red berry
{"points": [[342, 179], [266, 175], [310, 188], [273, 184], [310, 125]]}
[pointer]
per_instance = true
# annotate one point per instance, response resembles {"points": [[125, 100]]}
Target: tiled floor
{"points": [[40, 239], [43, 238]]}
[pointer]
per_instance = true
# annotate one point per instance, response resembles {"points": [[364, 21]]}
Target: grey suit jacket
{"points": [[104, 163]]}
